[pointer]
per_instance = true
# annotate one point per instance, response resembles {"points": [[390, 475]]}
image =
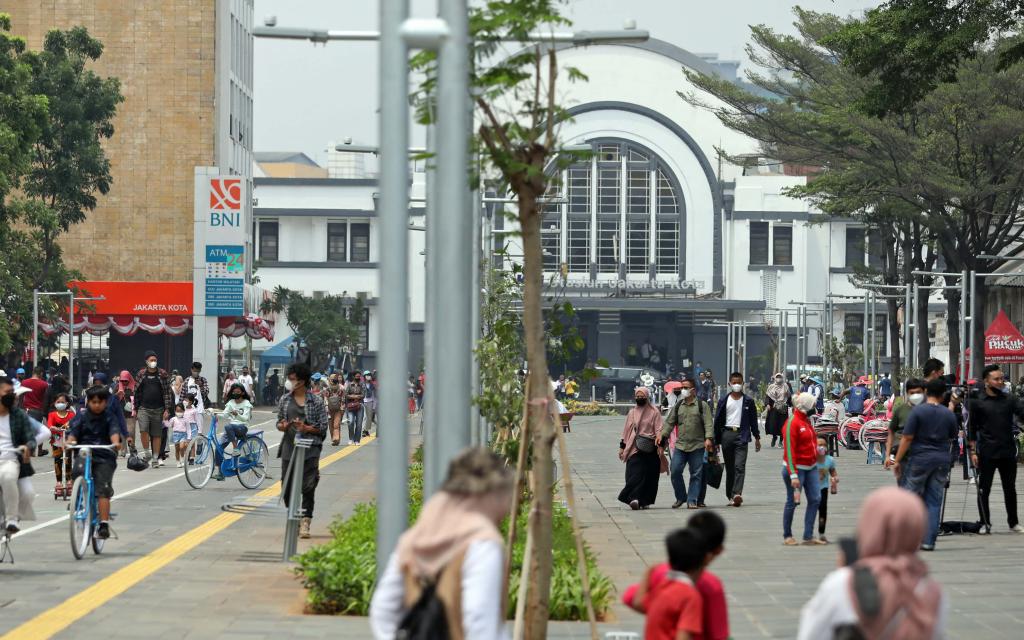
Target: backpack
{"points": [[426, 620]]}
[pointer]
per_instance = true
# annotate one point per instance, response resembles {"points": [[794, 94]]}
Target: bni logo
{"points": [[225, 194]]}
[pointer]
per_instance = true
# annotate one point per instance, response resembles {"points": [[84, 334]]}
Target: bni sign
{"points": [[225, 248]]}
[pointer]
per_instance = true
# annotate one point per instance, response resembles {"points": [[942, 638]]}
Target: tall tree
{"points": [[954, 160], [328, 325]]}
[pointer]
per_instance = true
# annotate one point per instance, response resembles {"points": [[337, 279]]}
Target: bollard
{"points": [[296, 466]]}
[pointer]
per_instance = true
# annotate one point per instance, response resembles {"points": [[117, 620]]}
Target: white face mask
{"points": [[60, 406], [916, 398], [151, 364], [288, 385], [736, 388], [180, 415], [684, 393]]}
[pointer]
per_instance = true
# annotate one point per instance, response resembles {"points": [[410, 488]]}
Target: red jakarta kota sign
{"points": [[135, 298]]}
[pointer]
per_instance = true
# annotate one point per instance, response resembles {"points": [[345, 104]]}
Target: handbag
{"points": [[135, 461], [353, 405], [713, 472], [26, 470], [645, 444]]}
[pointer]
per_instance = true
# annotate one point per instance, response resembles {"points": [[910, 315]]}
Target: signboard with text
{"points": [[224, 246]]}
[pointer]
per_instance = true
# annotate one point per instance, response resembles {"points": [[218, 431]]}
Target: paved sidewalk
{"points": [[766, 583]]}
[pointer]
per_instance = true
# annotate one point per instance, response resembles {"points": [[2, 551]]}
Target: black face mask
{"points": [[641, 402], [237, 396], [8, 400]]}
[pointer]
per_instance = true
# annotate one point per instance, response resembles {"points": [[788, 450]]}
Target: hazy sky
{"points": [[308, 95]]}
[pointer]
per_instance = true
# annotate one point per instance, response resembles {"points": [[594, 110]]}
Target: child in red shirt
{"points": [[673, 605], [58, 421], [716, 614]]}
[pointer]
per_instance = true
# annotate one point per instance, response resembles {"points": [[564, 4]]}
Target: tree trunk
{"points": [[892, 305], [540, 425]]}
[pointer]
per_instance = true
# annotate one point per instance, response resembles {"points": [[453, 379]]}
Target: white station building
{"points": [[655, 234]]}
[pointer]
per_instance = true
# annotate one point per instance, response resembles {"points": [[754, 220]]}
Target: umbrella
{"points": [[672, 384]]}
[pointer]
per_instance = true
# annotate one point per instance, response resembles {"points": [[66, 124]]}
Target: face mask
{"points": [[288, 385], [195, 374], [822, 451], [678, 392], [8, 400], [179, 415], [151, 364], [641, 402], [736, 388], [916, 398], [237, 396], [778, 380], [60, 406], [685, 393]]}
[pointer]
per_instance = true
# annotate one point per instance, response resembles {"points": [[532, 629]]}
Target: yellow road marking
{"points": [[55, 620]]}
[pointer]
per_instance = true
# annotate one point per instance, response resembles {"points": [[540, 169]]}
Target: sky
{"points": [[309, 95]]}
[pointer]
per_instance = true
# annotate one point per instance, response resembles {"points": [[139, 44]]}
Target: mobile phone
{"points": [[848, 546]]}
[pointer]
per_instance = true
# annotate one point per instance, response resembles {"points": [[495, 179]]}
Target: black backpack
{"points": [[426, 620]]}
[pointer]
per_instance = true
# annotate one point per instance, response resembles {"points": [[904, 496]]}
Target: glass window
{"points": [[268, 240], [550, 239], [579, 245], [360, 242], [638, 196], [608, 245], [636, 246], [853, 328], [758, 243], [337, 241], [667, 250], [608, 153], [608, 190], [667, 203], [854, 247], [874, 249], [782, 245], [579, 189], [637, 156]]}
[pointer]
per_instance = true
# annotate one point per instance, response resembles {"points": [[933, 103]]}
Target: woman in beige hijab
{"points": [[455, 545], [638, 449]]}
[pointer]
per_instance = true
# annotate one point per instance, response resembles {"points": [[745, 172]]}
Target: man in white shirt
{"points": [[247, 381], [735, 423]]}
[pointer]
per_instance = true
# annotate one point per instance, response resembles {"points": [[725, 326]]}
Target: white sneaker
{"points": [[160, 462], [180, 464], [1017, 528]]}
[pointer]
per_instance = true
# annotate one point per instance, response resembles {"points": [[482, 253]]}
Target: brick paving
{"points": [[234, 586]]}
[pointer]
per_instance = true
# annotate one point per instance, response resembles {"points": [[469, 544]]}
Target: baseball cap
{"points": [[149, 354], [19, 370], [99, 377]]}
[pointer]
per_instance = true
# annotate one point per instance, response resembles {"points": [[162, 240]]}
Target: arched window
{"points": [[622, 214]]}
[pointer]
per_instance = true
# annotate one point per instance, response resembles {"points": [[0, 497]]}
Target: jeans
{"points": [[235, 432], [734, 454], [310, 480], [680, 459], [809, 483], [355, 424], [928, 481]]}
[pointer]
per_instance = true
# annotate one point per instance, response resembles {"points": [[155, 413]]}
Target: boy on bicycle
{"points": [[97, 426]]}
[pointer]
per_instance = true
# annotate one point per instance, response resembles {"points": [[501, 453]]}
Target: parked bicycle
{"points": [[84, 518], [206, 453]]}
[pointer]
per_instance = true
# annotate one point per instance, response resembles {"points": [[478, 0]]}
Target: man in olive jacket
{"points": [[692, 418]]}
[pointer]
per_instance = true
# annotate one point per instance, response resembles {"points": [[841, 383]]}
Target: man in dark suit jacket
{"points": [[735, 421]]}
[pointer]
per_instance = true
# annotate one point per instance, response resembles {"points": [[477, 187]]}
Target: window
{"points": [[667, 249], [638, 195], [667, 203], [608, 153], [360, 242], [608, 190], [579, 190], [268, 241], [782, 245], [579, 245], [608, 245], [337, 241], [636, 246], [550, 240], [854, 247], [759, 243], [853, 328], [874, 249]]}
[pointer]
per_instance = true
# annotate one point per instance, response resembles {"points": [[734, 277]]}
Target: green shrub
{"points": [[340, 574], [588, 408]]}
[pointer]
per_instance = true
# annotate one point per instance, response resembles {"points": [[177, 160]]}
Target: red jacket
{"points": [[799, 443]]}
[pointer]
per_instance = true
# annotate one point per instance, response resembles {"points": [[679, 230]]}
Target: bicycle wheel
{"points": [[79, 518], [97, 544], [198, 462], [252, 462]]}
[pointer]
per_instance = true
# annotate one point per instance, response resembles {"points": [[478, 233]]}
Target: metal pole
{"points": [[864, 336], [475, 206], [291, 526], [915, 303], [906, 329], [454, 335], [71, 340], [783, 362], [962, 369], [974, 320], [393, 452], [432, 473], [35, 327], [778, 355], [742, 328]]}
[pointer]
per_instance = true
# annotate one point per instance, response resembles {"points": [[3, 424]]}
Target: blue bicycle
{"points": [[205, 453], [84, 505]]}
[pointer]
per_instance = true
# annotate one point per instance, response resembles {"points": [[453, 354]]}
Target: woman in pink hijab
{"points": [[886, 592], [638, 449]]}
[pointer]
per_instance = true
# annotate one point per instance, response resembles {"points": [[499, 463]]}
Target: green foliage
{"points": [[55, 113], [328, 325], [340, 574], [847, 358], [499, 351], [588, 408]]}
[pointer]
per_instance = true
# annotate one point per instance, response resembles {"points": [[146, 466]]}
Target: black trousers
{"points": [[1007, 468], [310, 479], [823, 511]]}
